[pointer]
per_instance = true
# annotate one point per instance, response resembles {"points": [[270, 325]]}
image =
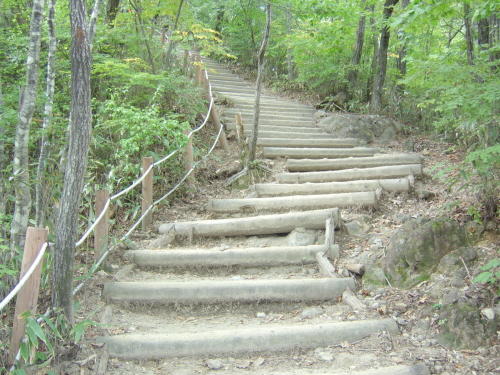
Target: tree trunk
{"points": [[168, 56], [40, 205], [352, 76], [80, 130], [26, 109], [469, 34], [260, 61], [111, 10], [373, 66], [401, 59], [289, 58], [378, 83]]}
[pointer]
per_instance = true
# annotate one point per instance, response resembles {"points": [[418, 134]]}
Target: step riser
{"points": [[351, 174], [248, 257], [266, 134], [247, 125], [324, 143], [248, 117], [317, 153], [300, 202], [252, 226], [305, 165], [245, 340], [397, 185], [227, 291]]}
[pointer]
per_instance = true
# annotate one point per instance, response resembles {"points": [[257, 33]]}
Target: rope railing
{"points": [[36, 263]]}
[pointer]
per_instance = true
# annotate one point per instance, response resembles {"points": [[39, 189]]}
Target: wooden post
{"points": [[189, 160], [102, 227], [198, 80], [27, 297], [214, 115], [147, 192]]}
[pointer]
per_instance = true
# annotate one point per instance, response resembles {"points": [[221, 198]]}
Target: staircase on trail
{"points": [[256, 296]]}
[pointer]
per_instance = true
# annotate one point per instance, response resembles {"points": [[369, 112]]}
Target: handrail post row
{"points": [[199, 72], [147, 192], [101, 234], [215, 116], [27, 297]]}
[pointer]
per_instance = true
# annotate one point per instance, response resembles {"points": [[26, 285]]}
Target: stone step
{"points": [[296, 202], [318, 153], [243, 257], [308, 142], [281, 129], [304, 165], [273, 190], [352, 174], [251, 226], [226, 291], [271, 338]]}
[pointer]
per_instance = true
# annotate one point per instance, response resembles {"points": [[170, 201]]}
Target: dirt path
{"points": [[229, 299]]}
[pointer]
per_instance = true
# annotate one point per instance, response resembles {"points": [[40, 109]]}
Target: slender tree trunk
{"points": [[374, 63], [80, 131], [111, 11], [3, 233], [468, 34], [401, 59], [143, 33], [260, 62], [40, 206], [352, 76], [26, 109], [378, 83], [289, 57], [168, 56]]}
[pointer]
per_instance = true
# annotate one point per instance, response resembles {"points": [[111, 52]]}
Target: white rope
{"points": [[25, 278]]}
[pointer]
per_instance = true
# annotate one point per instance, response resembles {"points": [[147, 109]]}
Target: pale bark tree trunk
{"points": [[40, 186], [168, 56], [260, 62], [2, 161], [76, 166], [26, 109], [289, 57], [401, 59], [373, 65], [469, 34], [352, 76], [378, 83], [143, 33]]}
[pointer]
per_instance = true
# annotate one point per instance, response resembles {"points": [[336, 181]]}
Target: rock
{"points": [[261, 315], [461, 326], [214, 364], [414, 251], [424, 194], [402, 218], [409, 145], [373, 277], [366, 127], [488, 313], [451, 297], [474, 228], [312, 312], [163, 241], [357, 228], [301, 237]]}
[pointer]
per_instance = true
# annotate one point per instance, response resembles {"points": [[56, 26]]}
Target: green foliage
{"points": [[490, 274]]}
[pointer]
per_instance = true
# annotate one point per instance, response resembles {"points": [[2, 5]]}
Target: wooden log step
{"points": [[274, 122], [351, 174], [245, 257], [270, 114], [308, 142], [187, 292], [273, 190], [279, 128], [318, 153], [270, 338], [252, 226], [295, 202], [304, 165], [296, 135]]}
